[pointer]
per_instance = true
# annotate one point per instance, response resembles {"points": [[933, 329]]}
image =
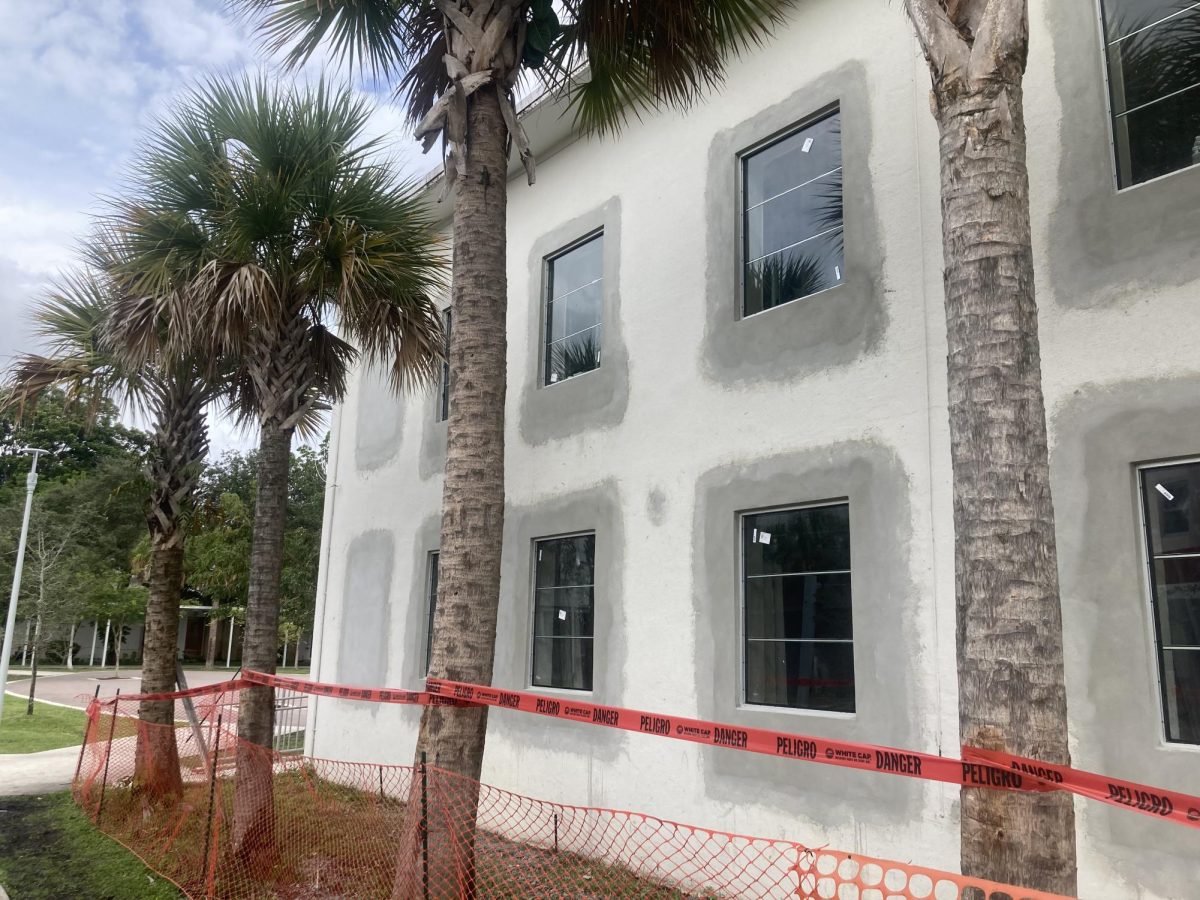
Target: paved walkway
{"points": [[76, 688], [37, 773]]}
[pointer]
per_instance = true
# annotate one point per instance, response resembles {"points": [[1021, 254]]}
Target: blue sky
{"points": [[80, 81]]}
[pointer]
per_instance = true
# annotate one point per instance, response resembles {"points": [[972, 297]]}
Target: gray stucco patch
{"points": [[380, 422], [886, 633], [366, 611], [431, 461], [827, 329], [1105, 246], [595, 399], [595, 509], [1100, 436]]}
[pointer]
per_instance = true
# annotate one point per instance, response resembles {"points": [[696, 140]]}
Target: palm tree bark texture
{"points": [[177, 454], [1009, 621]]}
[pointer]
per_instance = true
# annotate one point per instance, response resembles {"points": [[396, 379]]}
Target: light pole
{"points": [[30, 484]]}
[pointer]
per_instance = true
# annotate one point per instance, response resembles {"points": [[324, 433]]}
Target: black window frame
{"points": [[589, 677], [1146, 493], [742, 233], [432, 561], [1103, 14], [443, 400], [546, 353], [742, 629]]}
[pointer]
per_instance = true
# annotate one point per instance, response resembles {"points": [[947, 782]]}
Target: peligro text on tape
{"points": [[978, 768]]}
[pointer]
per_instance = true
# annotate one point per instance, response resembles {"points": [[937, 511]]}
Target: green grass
{"points": [[48, 850], [48, 728]]}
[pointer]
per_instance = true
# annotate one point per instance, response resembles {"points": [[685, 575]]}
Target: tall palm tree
{"points": [[1011, 693], [456, 64], [259, 215], [76, 321]]}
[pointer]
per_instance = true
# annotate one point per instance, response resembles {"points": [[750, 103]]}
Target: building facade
{"points": [[727, 455]]}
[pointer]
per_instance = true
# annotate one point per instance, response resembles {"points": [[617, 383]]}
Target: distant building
{"points": [[728, 468]]}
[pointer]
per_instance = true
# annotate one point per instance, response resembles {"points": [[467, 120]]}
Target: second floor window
{"points": [[431, 601], [1152, 50], [444, 381], [792, 216], [563, 607], [574, 310]]}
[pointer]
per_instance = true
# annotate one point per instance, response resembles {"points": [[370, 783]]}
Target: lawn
{"points": [[49, 850], [48, 728]]}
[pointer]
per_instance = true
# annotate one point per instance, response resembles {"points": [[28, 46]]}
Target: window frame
{"points": [[543, 379], [433, 559], [442, 400], [739, 239], [1109, 115], [532, 618], [740, 530], [1154, 626]]}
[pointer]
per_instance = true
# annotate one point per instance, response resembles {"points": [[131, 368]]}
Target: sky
{"points": [[80, 82]]}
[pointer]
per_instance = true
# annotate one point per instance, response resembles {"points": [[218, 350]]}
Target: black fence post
{"points": [[424, 831], [212, 793], [108, 754], [381, 784], [87, 727], [556, 832]]}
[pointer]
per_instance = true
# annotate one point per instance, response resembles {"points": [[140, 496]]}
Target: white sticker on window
{"points": [[837, 273], [562, 614], [1162, 490], [808, 142], [764, 537], [553, 377]]}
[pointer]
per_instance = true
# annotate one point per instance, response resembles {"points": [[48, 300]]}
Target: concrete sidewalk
{"points": [[37, 773]]}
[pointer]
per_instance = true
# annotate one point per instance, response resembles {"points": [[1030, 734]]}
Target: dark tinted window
{"points": [[431, 600], [1170, 500], [1153, 57], [444, 386], [792, 216], [563, 604], [797, 628], [574, 310]]}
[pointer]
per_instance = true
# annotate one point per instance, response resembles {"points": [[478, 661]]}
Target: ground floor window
{"points": [[431, 599], [798, 639], [1171, 503], [563, 611]]}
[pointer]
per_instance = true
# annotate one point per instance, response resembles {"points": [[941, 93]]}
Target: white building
{"points": [[704, 411]]}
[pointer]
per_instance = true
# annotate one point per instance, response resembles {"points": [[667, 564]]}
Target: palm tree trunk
{"points": [[254, 820], [157, 760], [1009, 636], [464, 627]]}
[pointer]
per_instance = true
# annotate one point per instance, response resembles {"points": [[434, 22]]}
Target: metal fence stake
{"points": [[108, 754], [212, 793], [424, 831]]}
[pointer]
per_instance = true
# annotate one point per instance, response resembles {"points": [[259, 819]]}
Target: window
{"points": [[444, 387], [1171, 504], [562, 612], [574, 304], [431, 599], [1153, 60], [798, 639], [792, 216]]}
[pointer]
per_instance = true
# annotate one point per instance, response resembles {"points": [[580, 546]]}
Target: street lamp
{"points": [[30, 484]]}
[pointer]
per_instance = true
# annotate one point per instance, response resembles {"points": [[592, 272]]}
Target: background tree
{"points": [[1010, 655], [456, 65], [258, 215]]}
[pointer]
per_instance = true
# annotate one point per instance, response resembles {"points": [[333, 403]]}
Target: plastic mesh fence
{"points": [[242, 821]]}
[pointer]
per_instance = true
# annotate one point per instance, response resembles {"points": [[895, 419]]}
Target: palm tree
{"points": [[1010, 654], [456, 65], [76, 320], [259, 215]]}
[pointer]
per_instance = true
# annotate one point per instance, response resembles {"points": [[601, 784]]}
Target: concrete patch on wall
{"points": [[830, 328], [380, 422], [431, 461], [595, 399], [594, 509], [1099, 437], [887, 656], [1108, 247], [656, 507], [366, 610]]}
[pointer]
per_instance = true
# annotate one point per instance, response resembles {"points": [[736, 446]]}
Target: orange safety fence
{"points": [[220, 817]]}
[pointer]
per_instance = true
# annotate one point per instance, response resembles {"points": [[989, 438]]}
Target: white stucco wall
{"points": [[689, 423]]}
